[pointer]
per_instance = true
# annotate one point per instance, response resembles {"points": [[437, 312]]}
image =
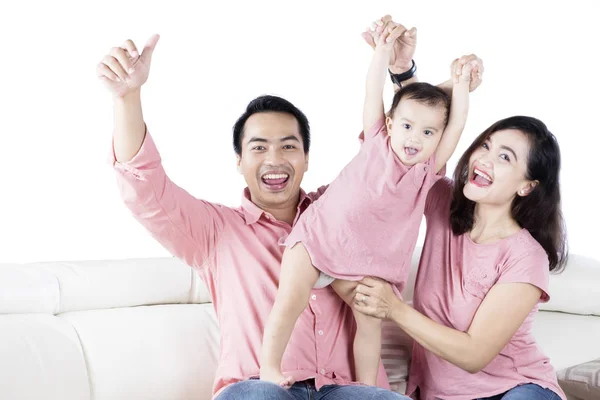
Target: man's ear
{"points": [[239, 163]]}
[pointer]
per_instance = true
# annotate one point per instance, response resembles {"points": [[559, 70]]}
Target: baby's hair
{"points": [[424, 93]]}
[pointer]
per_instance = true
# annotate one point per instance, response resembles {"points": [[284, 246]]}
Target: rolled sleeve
{"points": [[187, 227]]}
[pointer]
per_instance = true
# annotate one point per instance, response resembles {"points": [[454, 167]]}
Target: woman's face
{"points": [[497, 169]]}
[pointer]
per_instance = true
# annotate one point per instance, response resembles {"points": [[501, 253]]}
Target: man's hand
{"points": [[124, 70], [404, 47]]}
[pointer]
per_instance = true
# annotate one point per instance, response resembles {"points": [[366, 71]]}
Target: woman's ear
{"points": [[528, 188]]}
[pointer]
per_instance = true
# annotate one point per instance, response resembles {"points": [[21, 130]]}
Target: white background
{"points": [[59, 200]]}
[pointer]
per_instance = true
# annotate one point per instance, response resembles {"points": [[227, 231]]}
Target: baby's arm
{"points": [[384, 36], [401, 57], [459, 108]]}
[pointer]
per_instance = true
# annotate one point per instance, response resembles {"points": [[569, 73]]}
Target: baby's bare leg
{"points": [[367, 342], [298, 276]]}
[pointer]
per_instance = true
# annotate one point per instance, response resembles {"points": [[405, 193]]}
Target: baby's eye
{"points": [[428, 132], [406, 126]]}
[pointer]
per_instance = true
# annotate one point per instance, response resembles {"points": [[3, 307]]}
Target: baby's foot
{"points": [[276, 377]]}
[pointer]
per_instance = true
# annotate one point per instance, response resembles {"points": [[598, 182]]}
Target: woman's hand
{"points": [[375, 297]]}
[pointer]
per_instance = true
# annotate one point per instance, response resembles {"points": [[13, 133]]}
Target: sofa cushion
{"points": [[568, 339], [153, 352], [41, 358], [582, 381], [575, 290]]}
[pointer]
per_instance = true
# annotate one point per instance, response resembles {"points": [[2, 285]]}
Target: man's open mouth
{"points": [[275, 181]]}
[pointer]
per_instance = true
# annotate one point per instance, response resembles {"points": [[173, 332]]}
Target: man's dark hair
{"points": [[270, 104]]}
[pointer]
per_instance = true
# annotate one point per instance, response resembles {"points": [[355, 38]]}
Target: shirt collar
{"points": [[252, 212]]}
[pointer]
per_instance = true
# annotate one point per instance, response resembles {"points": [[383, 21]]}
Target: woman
{"points": [[493, 235]]}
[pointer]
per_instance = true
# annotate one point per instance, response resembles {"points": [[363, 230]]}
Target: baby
{"points": [[367, 222]]}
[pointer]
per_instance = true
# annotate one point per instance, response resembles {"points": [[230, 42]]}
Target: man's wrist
{"points": [[399, 68], [128, 97], [397, 79]]}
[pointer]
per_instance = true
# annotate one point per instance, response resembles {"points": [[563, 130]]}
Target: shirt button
{"points": [[314, 297], [321, 333], [425, 168], [322, 372]]}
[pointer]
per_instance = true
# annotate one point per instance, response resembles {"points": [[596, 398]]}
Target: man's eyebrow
{"points": [[290, 137], [263, 140], [257, 139]]}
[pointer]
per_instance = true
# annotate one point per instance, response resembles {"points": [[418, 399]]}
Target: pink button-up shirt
{"points": [[236, 252]]}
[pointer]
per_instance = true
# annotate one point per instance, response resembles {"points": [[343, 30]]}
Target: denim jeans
{"points": [[254, 389], [529, 391]]}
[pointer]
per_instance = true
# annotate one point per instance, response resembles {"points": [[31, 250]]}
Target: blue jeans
{"points": [[254, 389], [529, 391]]}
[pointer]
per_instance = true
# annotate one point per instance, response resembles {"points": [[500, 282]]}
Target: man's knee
{"points": [[375, 393], [254, 389], [530, 392], [383, 394]]}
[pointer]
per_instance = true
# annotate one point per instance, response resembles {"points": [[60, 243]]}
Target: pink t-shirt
{"points": [[454, 277], [367, 223]]}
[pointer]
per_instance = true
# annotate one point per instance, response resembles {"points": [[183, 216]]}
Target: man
{"points": [[236, 250]]}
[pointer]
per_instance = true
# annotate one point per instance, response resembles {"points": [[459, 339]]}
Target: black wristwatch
{"points": [[399, 78]]}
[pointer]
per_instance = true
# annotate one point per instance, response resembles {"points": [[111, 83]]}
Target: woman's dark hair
{"points": [[424, 93], [270, 104], [539, 212]]}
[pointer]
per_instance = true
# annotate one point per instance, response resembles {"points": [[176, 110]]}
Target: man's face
{"points": [[273, 161]]}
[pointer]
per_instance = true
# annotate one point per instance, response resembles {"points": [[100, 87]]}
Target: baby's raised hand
{"points": [[467, 68], [385, 33], [404, 47]]}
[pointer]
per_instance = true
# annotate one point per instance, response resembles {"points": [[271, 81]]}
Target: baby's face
{"points": [[415, 130]]}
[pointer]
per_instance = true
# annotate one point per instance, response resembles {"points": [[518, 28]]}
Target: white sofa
{"points": [[145, 328]]}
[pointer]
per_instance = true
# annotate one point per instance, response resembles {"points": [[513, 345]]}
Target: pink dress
{"points": [[454, 276], [367, 222]]}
